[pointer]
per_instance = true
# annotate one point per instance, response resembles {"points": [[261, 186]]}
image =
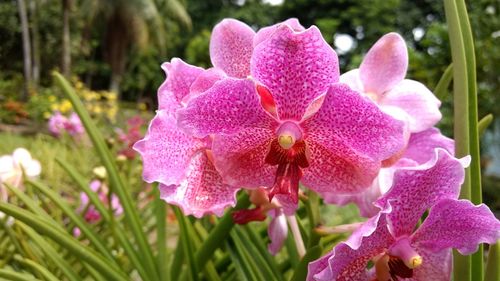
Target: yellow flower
{"points": [[52, 98], [65, 106]]}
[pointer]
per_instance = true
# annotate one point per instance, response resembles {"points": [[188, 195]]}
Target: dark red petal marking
{"points": [[247, 215], [289, 161], [397, 268]]}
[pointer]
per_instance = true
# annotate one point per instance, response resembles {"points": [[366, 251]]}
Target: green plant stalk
{"points": [[15, 276], [161, 235], [219, 234], [79, 222], [484, 123], [47, 275], [86, 254], [131, 213], [477, 270], [461, 264], [492, 269], [187, 244], [444, 83], [50, 253]]}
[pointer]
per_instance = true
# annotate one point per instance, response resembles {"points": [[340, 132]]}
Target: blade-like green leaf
{"points": [[444, 83], [116, 183], [484, 123], [300, 272], [187, 244], [65, 240], [50, 253], [161, 240], [9, 274], [47, 275], [492, 269]]}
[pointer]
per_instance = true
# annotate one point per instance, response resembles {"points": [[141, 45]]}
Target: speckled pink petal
{"points": [[350, 119], [231, 47], [348, 260], [416, 189], [204, 82], [385, 64], [277, 231], [436, 266], [335, 168], [166, 151], [180, 76], [266, 32], [227, 107], [421, 145], [240, 158], [417, 101], [296, 67], [351, 78], [457, 224], [202, 191]]}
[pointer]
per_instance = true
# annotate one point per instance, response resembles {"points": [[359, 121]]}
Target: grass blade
{"points": [[484, 123], [444, 83], [116, 182]]}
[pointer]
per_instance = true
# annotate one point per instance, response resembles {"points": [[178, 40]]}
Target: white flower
{"points": [[13, 166]]}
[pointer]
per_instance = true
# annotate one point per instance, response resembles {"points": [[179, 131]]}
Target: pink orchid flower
{"points": [[291, 122], [74, 125], [92, 215], [389, 239], [420, 149], [381, 78], [57, 123]]}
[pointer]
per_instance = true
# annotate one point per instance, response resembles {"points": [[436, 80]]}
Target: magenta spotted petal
{"points": [[421, 145], [414, 190], [436, 266], [202, 191], [166, 151], [180, 76], [268, 31], [296, 67], [231, 47], [347, 117], [240, 158], [457, 224], [227, 107], [385, 64]]}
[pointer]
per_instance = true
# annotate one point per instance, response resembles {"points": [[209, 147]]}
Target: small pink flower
{"points": [[291, 122], [390, 240], [91, 214], [57, 123], [381, 78], [74, 126]]}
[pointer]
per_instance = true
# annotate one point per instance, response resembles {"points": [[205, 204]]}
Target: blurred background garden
{"points": [[111, 52]]}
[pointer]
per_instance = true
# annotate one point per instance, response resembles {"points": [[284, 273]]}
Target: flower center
{"points": [[288, 151], [398, 262]]}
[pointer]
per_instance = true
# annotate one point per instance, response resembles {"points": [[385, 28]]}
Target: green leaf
{"points": [[444, 83], [187, 244], [65, 240], [219, 233], [484, 123], [462, 265], [116, 182], [9, 274], [492, 269], [50, 253], [47, 275], [79, 222], [161, 233], [300, 272]]}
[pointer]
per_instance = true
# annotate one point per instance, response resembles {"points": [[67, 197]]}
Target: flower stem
{"points": [[297, 237]]}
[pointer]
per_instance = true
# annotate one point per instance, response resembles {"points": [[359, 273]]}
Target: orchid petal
{"points": [[240, 158], [349, 259], [277, 231], [417, 101], [202, 191], [268, 31], [415, 189], [351, 78], [231, 47], [457, 224], [227, 107], [296, 67], [180, 76], [421, 145], [351, 119], [436, 266], [204, 82], [385, 64], [165, 150]]}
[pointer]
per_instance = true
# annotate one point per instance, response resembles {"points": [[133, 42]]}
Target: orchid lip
{"points": [[288, 134], [403, 250]]}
